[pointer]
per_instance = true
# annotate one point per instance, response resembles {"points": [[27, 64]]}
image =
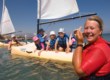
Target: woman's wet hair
{"points": [[98, 20]]}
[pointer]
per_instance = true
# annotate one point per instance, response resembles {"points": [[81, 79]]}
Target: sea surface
{"points": [[106, 36], [23, 68]]}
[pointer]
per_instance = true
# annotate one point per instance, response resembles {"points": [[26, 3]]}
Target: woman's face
{"points": [[92, 30]]}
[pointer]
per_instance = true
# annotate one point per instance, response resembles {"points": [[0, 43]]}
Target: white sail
{"points": [[6, 23], [51, 9]]}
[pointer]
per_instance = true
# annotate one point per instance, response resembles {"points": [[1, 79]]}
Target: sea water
{"points": [[21, 68], [106, 36]]}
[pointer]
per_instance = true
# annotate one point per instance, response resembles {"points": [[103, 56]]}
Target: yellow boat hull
{"points": [[28, 51]]}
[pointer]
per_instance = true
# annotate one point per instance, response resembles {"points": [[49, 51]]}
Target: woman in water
{"points": [[92, 62], [13, 42]]}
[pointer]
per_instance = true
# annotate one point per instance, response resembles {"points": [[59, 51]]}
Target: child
{"points": [[62, 41], [72, 42], [51, 43], [42, 36], [39, 45]]}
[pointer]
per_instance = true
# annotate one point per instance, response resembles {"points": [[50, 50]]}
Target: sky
{"points": [[24, 15]]}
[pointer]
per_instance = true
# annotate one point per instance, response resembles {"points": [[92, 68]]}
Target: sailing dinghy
{"points": [[6, 25]]}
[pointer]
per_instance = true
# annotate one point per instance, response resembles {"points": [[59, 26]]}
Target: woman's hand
{"points": [[79, 36]]}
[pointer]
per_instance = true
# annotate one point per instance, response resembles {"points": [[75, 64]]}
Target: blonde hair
{"points": [[98, 20]]}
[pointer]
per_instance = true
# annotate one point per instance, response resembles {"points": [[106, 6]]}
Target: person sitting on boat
{"points": [[51, 42], [39, 45], [62, 41], [72, 41], [42, 36], [92, 62], [13, 42]]}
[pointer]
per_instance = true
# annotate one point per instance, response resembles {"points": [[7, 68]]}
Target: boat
{"points": [[28, 51], [3, 45]]}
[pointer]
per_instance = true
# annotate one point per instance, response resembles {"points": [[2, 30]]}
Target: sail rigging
{"points": [[7, 26], [52, 9]]}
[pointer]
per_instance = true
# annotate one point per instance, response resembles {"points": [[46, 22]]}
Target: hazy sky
{"points": [[23, 14]]}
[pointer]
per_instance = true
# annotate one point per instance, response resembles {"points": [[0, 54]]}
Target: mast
{"points": [[3, 9], [38, 19]]}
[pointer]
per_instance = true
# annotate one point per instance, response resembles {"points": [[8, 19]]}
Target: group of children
{"points": [[62, 42]]}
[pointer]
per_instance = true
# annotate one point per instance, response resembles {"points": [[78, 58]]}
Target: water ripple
{"points": [[20, 68]]}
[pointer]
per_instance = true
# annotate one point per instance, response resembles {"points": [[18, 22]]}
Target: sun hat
{"points": [[13, 35], [35, 38], [52, 33], [61, 30]]}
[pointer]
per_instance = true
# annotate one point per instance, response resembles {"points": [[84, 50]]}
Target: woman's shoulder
{"points": [[105, 47]]}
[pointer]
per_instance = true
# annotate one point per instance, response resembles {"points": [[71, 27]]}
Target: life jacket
{"points": [[40, 37], [39, 47], [42, 40], [52, 43], [62, 41]]}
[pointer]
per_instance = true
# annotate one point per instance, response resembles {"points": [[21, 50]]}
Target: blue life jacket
{"points": [[62, 41], [39, 47], [52, 43], [42, 40], [40, 37]]}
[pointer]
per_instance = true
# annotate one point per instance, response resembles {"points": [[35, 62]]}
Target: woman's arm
{"points": [[77, 60], [77, 56], [9, 45]]}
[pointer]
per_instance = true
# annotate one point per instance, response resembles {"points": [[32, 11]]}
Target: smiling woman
{"points": [[93, 61]]}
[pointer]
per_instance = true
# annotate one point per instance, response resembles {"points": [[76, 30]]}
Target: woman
{"points": [[93, 61], [13, 42]]}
